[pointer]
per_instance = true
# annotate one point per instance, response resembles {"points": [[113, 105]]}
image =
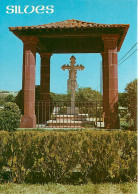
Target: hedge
{"points": [[68, 157]]}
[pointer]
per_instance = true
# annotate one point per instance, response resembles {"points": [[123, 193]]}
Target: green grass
{"points": [[107, 188]]}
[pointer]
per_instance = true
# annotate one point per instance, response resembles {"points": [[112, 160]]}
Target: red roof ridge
{"points": [[71, 23]]}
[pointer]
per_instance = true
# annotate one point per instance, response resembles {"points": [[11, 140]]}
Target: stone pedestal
{"points": [[68, 121]]}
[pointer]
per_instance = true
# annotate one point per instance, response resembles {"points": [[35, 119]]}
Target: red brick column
{"points": [[110, 81], [29, 59], [45, 76], [45, 83]]}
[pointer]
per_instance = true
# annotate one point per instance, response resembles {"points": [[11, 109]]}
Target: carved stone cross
{"points": [[72, 83]]}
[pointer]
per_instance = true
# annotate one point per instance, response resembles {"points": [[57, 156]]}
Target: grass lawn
{"points": [[107, 188]]}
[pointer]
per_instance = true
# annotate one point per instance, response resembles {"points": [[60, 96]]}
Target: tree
{"points": [[88, 95], [53, 97], [131, 99], [9, 98], [19, 100], [19, 97], [82, 95], [90, 101], [122, 99]]}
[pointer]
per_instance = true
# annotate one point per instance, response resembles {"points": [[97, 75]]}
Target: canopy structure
{"points": [[70, 36]]}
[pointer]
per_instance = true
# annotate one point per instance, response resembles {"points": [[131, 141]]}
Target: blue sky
{"points": [[98, 11]]}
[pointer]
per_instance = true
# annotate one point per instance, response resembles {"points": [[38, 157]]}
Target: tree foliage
{"points": [[2, 100], [122, 99], [88, 95], [59, 97], [131, 100], [82, 95], [9, 98], [19, 97]]}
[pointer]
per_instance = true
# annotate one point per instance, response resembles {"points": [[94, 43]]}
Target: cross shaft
{"points": [[72, 84]]}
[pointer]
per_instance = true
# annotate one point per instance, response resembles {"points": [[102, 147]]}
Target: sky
{"points": [[98, 11]]}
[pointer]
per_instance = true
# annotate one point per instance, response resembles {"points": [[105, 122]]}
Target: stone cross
{"points": [[72, 83]]}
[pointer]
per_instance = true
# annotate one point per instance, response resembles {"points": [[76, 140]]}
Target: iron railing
{"points": [[62, 115]]}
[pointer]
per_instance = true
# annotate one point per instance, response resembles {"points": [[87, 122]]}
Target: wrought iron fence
{"points": [[62, 115]]}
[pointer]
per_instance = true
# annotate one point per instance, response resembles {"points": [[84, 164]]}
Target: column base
{"points": [[28, 121], [112, 122]]}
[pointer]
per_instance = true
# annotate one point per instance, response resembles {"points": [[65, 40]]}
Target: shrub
{"points": [[68, 157], [10, 117], [127, 125], [2, 100]]}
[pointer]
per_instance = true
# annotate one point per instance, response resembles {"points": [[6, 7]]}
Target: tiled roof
{"points": [[69, 24]]}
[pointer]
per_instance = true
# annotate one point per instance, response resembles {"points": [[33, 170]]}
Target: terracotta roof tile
{"points": [[69, 24]]}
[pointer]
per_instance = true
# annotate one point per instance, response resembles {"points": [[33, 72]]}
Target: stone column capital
{"points": [[110, 37], [30, 43], [45, 54], [29, 39], [110, 41]]}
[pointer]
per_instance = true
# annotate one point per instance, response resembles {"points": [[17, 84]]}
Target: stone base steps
{"points": [[73, 121], [65, 124], [79, 117]]}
